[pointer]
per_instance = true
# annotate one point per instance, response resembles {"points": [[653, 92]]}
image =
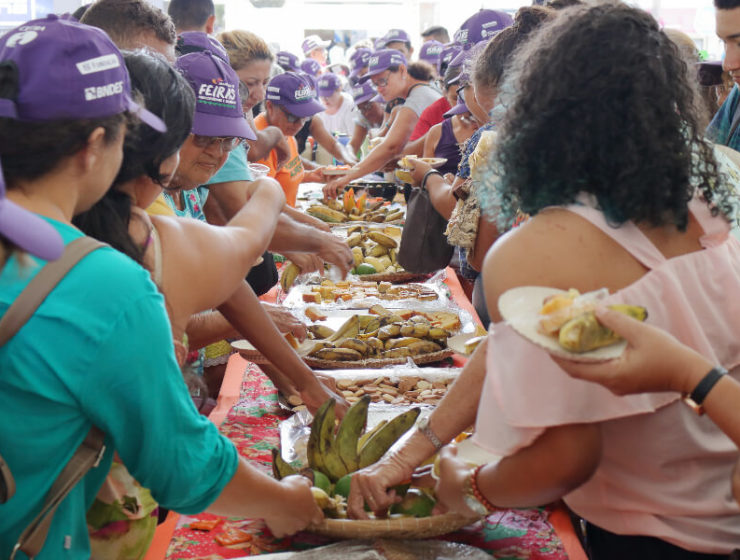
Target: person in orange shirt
{"points": [[290, 100]]}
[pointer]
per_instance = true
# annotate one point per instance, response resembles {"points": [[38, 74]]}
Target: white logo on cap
{"points": [[98, 64], [434, 49], [99, 92], [222, 93], [493, 23], [22, 38], [373, 60], [304, 93], [461, 36]]}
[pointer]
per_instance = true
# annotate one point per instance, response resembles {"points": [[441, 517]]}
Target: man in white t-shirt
{"points": [[340, 113]]}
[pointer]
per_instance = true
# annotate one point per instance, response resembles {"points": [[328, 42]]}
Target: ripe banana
{"points": [[320, 331], [438, 333], [327, 214], [354, 240], [402, 352], [355, 344], [375, 344], [338, 354], [392, 343], [352, 426], [377, 251], [350, 328], [419, 330], [287, 278], [423, 347], [383, 439], [393, 216], [358, 256], [389, 331], [382, 239]]}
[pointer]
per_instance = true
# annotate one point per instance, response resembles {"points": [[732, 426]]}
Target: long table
{"points": [[248, 414]]}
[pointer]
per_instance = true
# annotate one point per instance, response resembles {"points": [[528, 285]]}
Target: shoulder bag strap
{"points": [[90, 451], [26, 304]]}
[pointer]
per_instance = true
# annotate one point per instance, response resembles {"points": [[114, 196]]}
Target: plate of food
{"points": [[336, 169], [563, 323], [434, 162]]}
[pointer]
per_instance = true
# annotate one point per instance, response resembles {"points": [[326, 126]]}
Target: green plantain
{"points": [[352, 427], [280, 467], [313, 450], [383, 439], [370, 433]]}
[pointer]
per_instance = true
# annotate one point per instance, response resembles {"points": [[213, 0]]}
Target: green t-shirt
{"points": [[98, 351]]}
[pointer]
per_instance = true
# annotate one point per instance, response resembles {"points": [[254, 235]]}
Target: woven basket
{"points": [[392, 528], [376, 363]]}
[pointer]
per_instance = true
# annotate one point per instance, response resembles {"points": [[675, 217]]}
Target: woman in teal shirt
{"points": [[99, 350]]}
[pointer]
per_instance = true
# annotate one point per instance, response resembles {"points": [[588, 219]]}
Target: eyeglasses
{"points": [[292, 118], [381, 82], [461, 93], [226, 143], [243, 91]]}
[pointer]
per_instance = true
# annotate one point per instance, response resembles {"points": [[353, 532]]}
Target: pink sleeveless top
{"points": [[665, 472]]}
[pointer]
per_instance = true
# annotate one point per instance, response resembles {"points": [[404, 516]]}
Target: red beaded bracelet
{"points": [[477, 493]]}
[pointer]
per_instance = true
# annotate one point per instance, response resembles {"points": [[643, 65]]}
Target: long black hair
{"points": [[601, 102], [165, 93]]}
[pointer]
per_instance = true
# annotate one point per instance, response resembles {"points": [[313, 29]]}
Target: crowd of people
{"points": [[577, 156]]}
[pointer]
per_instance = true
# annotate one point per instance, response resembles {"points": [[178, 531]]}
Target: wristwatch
{"points": [[424, 428], [695, 399]]}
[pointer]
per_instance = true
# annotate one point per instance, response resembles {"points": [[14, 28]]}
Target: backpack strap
{"points": [[90, 451]]}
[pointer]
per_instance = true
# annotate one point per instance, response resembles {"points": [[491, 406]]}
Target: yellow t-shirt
{"points": [[290, 174], [160, 208]]}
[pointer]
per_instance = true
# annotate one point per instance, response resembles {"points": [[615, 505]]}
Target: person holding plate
{"points": [[630, 199]]}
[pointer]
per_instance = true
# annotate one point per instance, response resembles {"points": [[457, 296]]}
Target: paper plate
{"points": [[520, 309], [433, 162]]}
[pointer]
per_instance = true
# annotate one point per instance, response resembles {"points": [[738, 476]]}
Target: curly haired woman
{"points": [[605, 153]]}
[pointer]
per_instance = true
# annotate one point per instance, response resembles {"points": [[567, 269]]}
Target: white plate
{"points": [[520, 309], [433, 162]]}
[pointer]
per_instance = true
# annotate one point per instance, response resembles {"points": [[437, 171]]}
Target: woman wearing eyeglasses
{"points": [[393, 77], [290, 100]]}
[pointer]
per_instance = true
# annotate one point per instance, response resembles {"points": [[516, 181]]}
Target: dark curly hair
{"points": [[726, 4], [601, 103]]}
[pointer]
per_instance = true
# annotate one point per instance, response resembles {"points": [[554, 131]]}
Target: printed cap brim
{"points": [[206, 124]]}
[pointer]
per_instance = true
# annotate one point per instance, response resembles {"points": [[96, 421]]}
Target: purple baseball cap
{"points": [[381, 60], [430, 52], [482, 25], [293, 92], [314, 42], [63, 70], [328, 83], [358, 61], [199, 41], [67, 70], [310, 66], [218, 108], [458, 109], [395, 35], [312, 82], [465, 58], [288, 61], [363, 92], [449, 51]]}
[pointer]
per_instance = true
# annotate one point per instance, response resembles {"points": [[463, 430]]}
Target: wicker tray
{"points": [[392, 528], [394, 277], [376, 363]]}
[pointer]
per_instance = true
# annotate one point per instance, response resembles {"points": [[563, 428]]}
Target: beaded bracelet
{"points": [[477, 493]]}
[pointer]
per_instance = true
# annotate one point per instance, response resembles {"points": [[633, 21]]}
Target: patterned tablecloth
{"points": [[253, 427]]}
